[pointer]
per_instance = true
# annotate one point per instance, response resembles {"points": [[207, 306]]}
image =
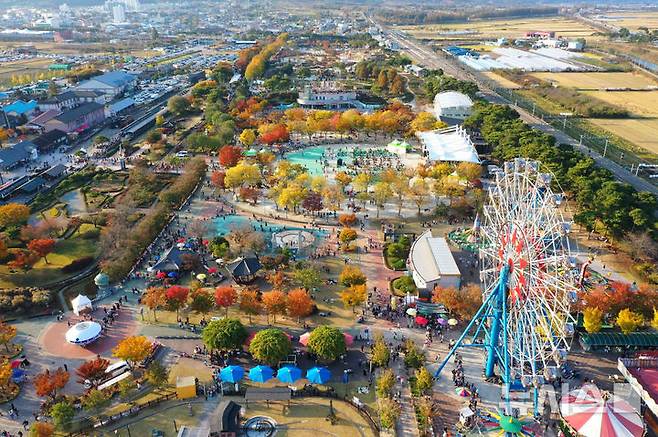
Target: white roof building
{"points": [[431, 263], [452, 104], [451, 144]]}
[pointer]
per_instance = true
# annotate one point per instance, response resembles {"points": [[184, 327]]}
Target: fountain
{"points": [[260, 426]]}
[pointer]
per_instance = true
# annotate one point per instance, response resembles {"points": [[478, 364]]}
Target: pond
{"points": [[75, 202]]}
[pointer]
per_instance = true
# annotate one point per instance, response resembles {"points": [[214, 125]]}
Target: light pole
{"points": [[605, 149]]}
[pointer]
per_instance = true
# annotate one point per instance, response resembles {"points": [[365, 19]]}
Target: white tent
{"points": [[81, 303], [451, 144]]}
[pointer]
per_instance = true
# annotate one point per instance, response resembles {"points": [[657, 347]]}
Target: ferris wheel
{"points": [[528, 277]]}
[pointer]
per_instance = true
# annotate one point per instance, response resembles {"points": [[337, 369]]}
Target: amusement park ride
{"points": [[529, 282]]}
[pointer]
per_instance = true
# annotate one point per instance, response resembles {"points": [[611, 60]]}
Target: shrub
{"points": [[405, 284], [24, 300], [78, 264]]}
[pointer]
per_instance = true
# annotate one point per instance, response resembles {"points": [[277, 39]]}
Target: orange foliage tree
{"points": [[47, 383], [299, 303], [133, 349], [347, 220], [462, 303], [225, 297], [42, 429], [250, 303], [275, 303], [176, 297], [229, 156], [7, 333], [5, 373], [217, 179], [42, 247], [92, 370], [155, 298]]}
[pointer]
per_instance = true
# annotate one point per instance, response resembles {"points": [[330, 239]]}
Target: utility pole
{"points": [[580, 143], [605, 149]]}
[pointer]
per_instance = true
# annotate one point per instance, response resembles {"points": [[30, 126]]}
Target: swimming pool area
{"points": [[224, 224], [310, 158]]}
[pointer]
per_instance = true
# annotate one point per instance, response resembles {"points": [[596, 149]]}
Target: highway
{"points": [[427, 57]]}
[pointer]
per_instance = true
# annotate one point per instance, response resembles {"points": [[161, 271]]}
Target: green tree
{"points": [[157, 374], [95, 400], [307, 277], [413, 358], [62, 414], [385, 383], [202, 301], [381, 353], [179, 105], [270, 346], [224, 334], [327, 342]]}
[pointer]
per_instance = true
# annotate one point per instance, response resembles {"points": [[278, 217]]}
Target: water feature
{"points": [[311, 158], [260, 426], [75, 202]]}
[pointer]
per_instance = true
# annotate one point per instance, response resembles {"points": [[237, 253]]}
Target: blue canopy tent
{"points": [[261, 374], [289, 374], [318, 375], [231, 374]]}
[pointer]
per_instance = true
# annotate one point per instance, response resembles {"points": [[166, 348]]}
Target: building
{"points": [[452, 105], [540, 34], [452, 144], [71, 99], [576, 46], [77, 119], [119, 13], [17, 155], [641, 372], [50, 140], [326, 97], [111, 83], [431, 263], [120, 107], [40, 120]]}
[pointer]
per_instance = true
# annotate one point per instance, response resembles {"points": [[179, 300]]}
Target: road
{"points": [[426, 56]]}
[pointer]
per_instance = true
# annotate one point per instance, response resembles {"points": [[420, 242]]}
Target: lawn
{"points": [[599, 80]]}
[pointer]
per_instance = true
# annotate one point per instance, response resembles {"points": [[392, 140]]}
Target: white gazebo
{"points": [[80, 304], [83, 333]]}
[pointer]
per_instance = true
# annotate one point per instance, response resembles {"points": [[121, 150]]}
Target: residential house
{"points": [[17, 155], [78, 119]]}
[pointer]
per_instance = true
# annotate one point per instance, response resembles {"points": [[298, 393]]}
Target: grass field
{"points": [[641, 132], [30, 67], [598, 80], [631, 20], [509, 28], [639, 103], [502, 81]]}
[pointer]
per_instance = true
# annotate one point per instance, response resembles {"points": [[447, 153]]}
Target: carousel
{"points": [[84, 333]]}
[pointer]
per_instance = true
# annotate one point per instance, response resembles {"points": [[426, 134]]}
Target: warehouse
{"points": [[431, 263], [452, 105]]}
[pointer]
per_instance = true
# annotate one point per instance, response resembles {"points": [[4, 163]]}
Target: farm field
{"points": [[641, 132], [491, 29], [598, 80], [500, 80], [632, 20], [639, 103]]}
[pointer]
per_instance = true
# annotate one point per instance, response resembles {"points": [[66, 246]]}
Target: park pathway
{"points": [[406, 426]]}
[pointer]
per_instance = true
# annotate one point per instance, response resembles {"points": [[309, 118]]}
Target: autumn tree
{"points": [[7, 334], [201, 301], [217, 179], [385, 383], [225, 296], [382, 193], [450, 187], [275, 303], [424, 380], [229, 156], [351, 275], [42, 247], [425, 121], [250, 303], [299, 304], [381, 353], [419, 192], [42, 429], [248, 137], [463, 303], [13, 214], [469, 170], [347, 220], [654, 320], [5, 373], [133, 349], [353, 296], [47, 383], [361, 182], [592, 320], [155, 298], [629, 321], [92, 371], [177, 297]]}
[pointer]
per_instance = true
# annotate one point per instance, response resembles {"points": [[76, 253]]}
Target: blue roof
{"points": [[21, 107], [115, 78]]}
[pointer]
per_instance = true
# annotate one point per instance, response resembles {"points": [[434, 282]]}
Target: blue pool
{"points": [[312, 157]]}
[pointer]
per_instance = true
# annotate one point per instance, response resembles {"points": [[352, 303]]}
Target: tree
{"points": [[92, 371], [385, 383], [47, 383], [133, 349], [275, 303], [389, 412], [242, 174], [229, 156], [42, 247], [400, 186], [299, 304], [654, 320], [177, 297], [381, 353], [95, 399], [270, 346], [157, 374], [346, 236], [592, 319], [159, 120], [333, 196], [224, 334], [312, 202], [250, 303], [382, 193], [351, 275], [202, 301], [225, 296], [248, 137], [450, 187], [628, 321], [217, 179], [361, 182], [424, 121], [155, 298], [347, 220], [469, 170], [413, 358], [62, 414], [353, 296], [327, 342], [7, 334], [5, 373], [179, 105], [419, 193], [343, 179], [153, 137], [462, 303], [42, 429], [424, 380], [307, 277], [13, 214]]}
